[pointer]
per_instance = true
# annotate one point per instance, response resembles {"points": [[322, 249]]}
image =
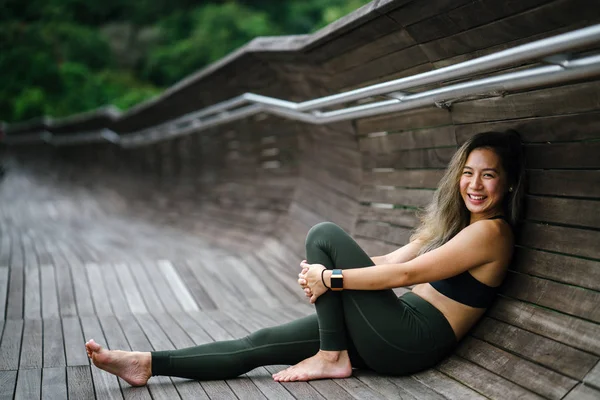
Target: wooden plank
{"points": [[577, 98], [5, 246], [582, 392], [446, 386], [563, 328], [549, 353], [528, 23], [192, 328], [8, 380], [420, 158], [406, 120], [593, 377], [564, 183], [14, 302], [49, 296], [387, 44], [563, 155], [483, 381], [29, 255], [53, 344], [179, 288], [382, 385], [189, 389], [152, 302], [43, 252], [405, 217], [83, 298], [384, 232], [156, 336], [388, 64], [581, 272], [221, 294], [79, 380], [202, 299], [556, 128], [333, 39], [130, 289], [176, 334], [10, 346], [74, 342], [161, 287], [162, 388], [54, 383], [29, 384], [563, 211], [98, 290], [4, 272], [344, 182], [407, 178], [329, 390], [462, 18], [397, 196], [411, 13], [356, 388], [581, 302], [33, 301], [415, 388], [134, 333], [257, 293], [579, 242], [31, 345], [117, 296], [389, 142]]}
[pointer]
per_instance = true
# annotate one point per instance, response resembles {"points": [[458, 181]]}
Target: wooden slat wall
{"points": [[556, 266]]}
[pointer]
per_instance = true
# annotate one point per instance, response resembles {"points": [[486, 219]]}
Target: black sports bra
{"points": [[467, 290]]}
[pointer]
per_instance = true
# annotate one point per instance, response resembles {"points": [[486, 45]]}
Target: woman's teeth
{"points": [[476, 197]]}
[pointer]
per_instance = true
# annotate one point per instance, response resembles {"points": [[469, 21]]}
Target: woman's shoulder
{"points": [[496, 233]]}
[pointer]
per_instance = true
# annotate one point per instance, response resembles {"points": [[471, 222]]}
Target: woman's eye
{"points": [[466, 172], [488, 175]]}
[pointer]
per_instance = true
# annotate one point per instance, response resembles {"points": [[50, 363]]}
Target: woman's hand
{"points": [[310, 280]]}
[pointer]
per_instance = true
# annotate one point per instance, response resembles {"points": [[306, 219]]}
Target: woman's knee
{"points": [[323, 232]]}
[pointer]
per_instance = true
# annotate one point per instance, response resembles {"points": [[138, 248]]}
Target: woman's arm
{"points": [[403, 254], [477, 244]]}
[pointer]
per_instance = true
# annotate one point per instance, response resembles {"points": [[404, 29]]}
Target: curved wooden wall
{"points": [[258, 185]]}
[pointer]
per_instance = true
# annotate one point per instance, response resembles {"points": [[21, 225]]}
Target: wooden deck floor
{"points": [[73, 267]]}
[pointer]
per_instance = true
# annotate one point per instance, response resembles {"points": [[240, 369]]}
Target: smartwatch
{"points": [[337, 280]]}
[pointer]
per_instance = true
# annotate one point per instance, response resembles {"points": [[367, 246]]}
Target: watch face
{"points": [[337, 280]]}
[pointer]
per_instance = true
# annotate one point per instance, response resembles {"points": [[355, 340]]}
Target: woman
{"points": [[457, 259]]}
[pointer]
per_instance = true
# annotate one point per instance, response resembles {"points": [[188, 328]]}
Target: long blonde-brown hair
{"points": [[447, 214]]}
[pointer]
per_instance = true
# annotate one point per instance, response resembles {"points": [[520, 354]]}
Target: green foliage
{"points": [[207, 34], [57, 58]]}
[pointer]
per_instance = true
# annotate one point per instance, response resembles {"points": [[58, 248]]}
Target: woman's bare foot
{"points": [[324, 364], [133, 367]]}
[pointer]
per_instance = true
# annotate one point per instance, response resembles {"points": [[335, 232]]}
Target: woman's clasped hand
{"points": [[310, 279]]}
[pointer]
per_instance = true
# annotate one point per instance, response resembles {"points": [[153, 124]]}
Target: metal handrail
{"points": [[562, 68]]}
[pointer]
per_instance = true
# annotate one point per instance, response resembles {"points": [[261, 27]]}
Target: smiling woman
{"points": [[457, 259]]}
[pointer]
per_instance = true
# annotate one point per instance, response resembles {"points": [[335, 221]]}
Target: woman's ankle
{"points": [[334, 355]]}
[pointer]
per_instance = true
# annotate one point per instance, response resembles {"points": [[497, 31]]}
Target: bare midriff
{"points": [[460, 316]]}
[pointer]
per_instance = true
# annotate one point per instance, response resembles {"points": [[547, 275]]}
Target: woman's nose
{"points": [[475, 182]]}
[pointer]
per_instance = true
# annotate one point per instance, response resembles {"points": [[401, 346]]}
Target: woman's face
{"points": [[483, 184]]}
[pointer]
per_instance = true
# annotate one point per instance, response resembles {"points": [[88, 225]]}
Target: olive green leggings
{"points": [[381, 332]]}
